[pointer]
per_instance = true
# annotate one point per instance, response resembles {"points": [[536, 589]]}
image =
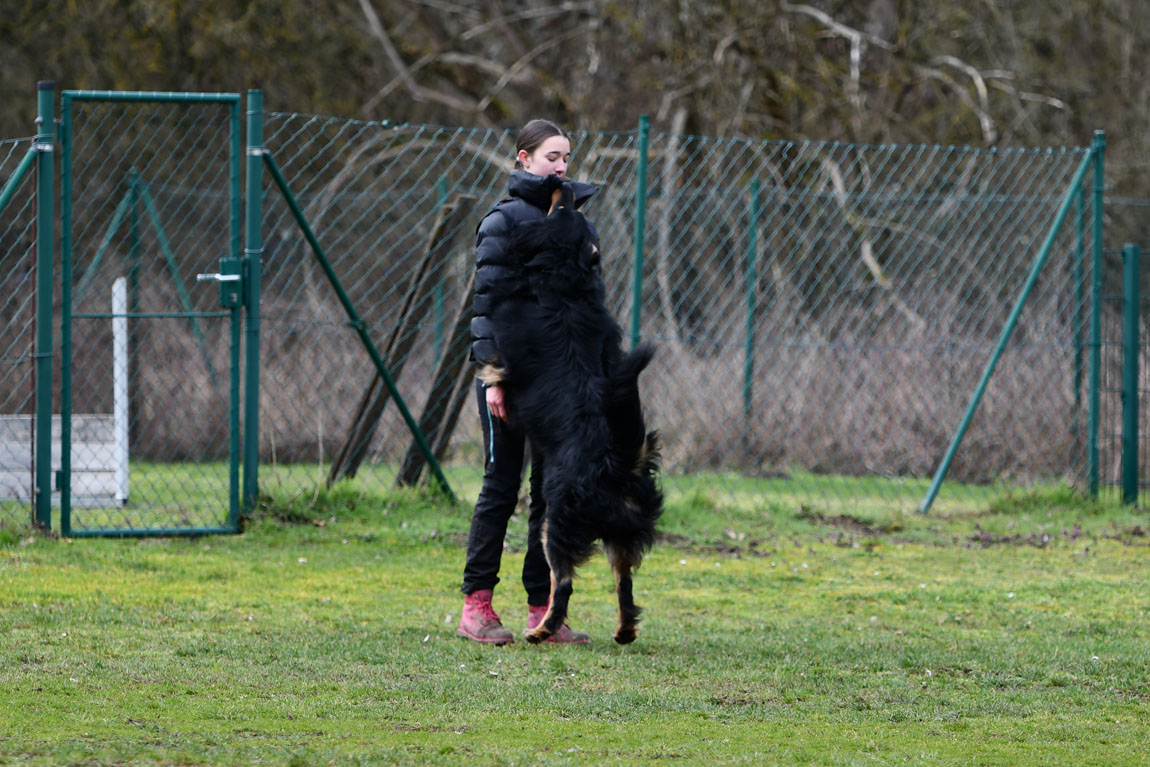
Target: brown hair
{"points": [[532, 135]]}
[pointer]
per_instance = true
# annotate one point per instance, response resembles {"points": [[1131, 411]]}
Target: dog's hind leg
{"points": [[561, 587], [562, 578], [623, 562]]}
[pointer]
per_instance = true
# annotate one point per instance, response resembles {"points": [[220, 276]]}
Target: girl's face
{"points": [[549, 157]]}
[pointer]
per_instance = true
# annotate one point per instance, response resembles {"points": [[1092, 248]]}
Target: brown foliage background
{"points": [[993, 73], [880, 72]]}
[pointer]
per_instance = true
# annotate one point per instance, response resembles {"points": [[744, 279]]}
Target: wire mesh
{"points": [[823, 311], [151, 207], [1126, 222], [883, 282], [395, 207], [17, 335]]}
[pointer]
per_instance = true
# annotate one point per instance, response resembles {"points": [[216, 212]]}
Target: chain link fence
{"points": [[823, 311], [1127, 221], [17, 332]]}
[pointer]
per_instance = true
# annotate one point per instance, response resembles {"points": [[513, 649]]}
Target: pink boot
{"points": [[480, 622], [564, 635]]}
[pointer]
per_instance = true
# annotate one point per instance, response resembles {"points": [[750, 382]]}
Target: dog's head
{"points": [[560, 246]]}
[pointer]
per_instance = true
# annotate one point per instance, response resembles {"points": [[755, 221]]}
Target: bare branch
{"points": [[1038, 98], [498, 18], [741, 109], [988, 132], [857, 38], [1020, 99], [455, 102], [515, 74], [988, 129], [459, 10], [721, 49], [525, 61], [376, 27], [670, 97], [866, 247], [535, 13], [458, 103], [477, 62], [842, 30]]}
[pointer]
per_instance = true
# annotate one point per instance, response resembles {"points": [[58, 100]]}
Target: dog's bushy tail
{"points": [[623, 406], [636, 448]]}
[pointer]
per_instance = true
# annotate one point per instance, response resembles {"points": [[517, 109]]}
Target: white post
{"points": [[120, 385]]}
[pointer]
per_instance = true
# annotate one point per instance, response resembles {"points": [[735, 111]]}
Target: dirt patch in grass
{"points": [[847, 523]]}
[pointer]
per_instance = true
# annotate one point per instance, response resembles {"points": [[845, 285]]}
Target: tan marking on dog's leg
{"points": [[562, 579], [540, 632], [612, 560], [628, 628]]}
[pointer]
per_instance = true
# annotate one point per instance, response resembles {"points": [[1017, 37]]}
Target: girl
{"points": [[542, 153]]}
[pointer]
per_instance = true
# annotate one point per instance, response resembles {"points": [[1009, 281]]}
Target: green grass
{"points": [[1014, 633]]}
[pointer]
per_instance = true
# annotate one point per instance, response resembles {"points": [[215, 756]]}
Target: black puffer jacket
{"points": [[494, 264]]}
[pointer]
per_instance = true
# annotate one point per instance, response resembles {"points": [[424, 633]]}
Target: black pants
{"points": [[503, 448]]}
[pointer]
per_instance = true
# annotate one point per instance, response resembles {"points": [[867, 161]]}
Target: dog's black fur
{"points": [[574, 391]]}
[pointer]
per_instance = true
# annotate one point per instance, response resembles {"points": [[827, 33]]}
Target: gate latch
{"points": [[231, 279]]}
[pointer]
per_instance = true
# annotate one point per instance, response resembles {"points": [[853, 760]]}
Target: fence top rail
{"points": [[661, 136], [846, 145], [151, 96], [430, 127]]}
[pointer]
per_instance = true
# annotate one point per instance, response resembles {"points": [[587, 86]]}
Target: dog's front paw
{"points": [[536, 635], [626, 634]]}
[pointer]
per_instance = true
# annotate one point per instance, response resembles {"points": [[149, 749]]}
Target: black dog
{"points": [[574, 391]]}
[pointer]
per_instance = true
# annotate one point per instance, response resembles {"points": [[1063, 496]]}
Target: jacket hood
{"points": [[537, 189]]}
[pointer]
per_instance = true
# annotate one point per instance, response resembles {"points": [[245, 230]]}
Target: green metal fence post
{"points": [[1079, 322], [1007, 332], [751, 284], [1098, 152], [1131, 305], [253, 253], [235, 322], [66, 299], [135, 406], [1079, 307], [640, 229], [45, 196]]}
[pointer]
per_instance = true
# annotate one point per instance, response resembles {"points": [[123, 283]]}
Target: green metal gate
{"points": [[25, 164], [151, 215]]}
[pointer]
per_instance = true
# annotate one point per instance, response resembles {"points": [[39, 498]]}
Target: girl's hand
{"points": [[495, 402]]}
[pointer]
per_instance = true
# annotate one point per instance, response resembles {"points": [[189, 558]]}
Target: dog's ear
{"points": [[562, 198]]}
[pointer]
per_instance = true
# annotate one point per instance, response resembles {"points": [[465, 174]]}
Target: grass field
{"points": [[1010, 634]]}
